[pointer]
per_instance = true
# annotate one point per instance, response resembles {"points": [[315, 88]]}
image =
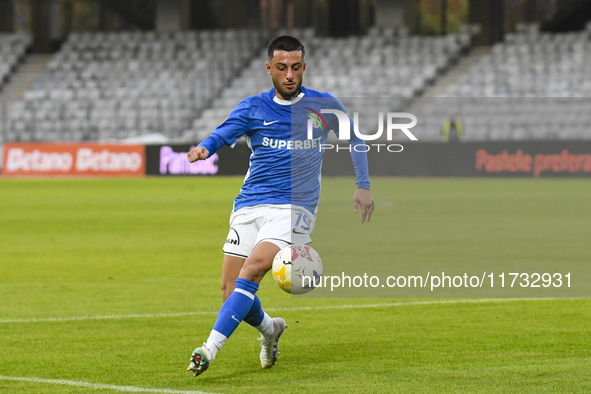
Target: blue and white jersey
{"points": [[284, 164]]}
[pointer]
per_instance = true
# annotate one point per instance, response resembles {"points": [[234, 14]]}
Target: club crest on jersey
{"points": [[315, 120]]}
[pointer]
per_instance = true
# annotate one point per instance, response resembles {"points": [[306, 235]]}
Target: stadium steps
{"points": [[417, 105], [453, 74], [24, 78]]}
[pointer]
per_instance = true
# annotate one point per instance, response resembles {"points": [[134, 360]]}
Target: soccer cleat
{"points": [[270, 346], [200, 360]]}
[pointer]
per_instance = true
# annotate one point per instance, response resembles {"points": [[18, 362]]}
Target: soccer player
{"points": [[273, 195]]}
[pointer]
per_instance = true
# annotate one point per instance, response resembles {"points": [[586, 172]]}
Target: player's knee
{"points": [[254, 271]]}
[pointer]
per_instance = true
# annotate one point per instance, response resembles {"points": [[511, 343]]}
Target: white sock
{"points": [[214, 343], [267, 326]]}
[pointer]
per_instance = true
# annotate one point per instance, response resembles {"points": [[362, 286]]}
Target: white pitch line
{"points": [[390, 304], [129, 389], [108, 317], [298, 308]]}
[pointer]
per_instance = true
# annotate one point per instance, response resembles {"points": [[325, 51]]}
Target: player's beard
{"points": [[288, 95]]}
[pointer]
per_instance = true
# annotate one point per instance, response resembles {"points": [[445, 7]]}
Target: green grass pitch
{"points": [[115, 282]]}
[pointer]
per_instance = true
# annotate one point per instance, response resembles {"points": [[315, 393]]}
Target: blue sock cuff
{"points": [[247, 285], [255, 316]]}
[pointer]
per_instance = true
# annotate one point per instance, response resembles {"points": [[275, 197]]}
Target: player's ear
{"points": [[268, 68], [304, 69]]}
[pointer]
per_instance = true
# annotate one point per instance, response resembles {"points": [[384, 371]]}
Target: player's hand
{"points": [[363, 199], [197, 153]]}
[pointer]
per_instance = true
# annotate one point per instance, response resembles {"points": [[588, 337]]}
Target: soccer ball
{"points": [[297, 269]]}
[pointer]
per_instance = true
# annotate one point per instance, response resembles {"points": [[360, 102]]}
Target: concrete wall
{"points": [[389, 13], [169, 15]]}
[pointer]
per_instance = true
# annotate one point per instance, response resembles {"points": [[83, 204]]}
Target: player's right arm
{"points": [[235, 126], [198, 153]]}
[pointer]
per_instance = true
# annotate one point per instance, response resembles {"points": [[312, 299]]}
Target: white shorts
{"points": [[281, 224]]}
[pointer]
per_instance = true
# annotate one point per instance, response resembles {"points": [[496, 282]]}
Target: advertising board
{"points": [[83, 159]]}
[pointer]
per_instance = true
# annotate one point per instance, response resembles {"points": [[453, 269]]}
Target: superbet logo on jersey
{"points": [[275, 143], [344, 132]]}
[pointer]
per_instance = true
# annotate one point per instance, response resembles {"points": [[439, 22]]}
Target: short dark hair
{"points": [[285, 43]]}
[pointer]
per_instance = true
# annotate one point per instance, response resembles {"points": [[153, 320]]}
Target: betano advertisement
{"points": [[46, 159], [425, 159]]}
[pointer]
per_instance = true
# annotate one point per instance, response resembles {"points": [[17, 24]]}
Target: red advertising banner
{"points": [[536, 164], [60, 159]]}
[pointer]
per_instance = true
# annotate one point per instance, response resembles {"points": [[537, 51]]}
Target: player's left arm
{"points": [[362, 199]]}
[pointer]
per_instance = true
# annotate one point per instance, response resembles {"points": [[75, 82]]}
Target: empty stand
{"points": [[106, 86], [115, 86], [534, 85]]}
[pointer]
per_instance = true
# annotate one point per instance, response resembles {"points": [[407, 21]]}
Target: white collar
{"points": [[288, 102]]}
